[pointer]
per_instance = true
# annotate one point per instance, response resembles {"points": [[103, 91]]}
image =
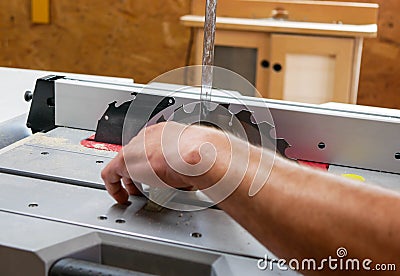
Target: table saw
{"points": [[57, 219]]}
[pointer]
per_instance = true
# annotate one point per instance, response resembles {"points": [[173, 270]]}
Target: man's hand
{"points": [[169, 153]]}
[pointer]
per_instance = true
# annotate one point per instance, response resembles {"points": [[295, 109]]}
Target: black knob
{"points": [[277, 67], [265, 63], [28, 96]]}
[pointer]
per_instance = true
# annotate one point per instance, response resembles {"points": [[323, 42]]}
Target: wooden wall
{"points": [[380, 68], [141, 39]]}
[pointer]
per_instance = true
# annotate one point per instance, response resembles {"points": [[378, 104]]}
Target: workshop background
{"points": [[143, 39]]}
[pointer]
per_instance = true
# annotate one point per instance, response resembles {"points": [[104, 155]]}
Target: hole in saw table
{"points": [[120, 221], [102, 217], [196, 235]]}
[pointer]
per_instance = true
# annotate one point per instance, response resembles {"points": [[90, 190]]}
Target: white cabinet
{"points": [[313, 62]]}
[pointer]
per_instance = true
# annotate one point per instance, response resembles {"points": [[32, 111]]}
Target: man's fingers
{"points": [[130, 186], [118, 192], [112, 175]]}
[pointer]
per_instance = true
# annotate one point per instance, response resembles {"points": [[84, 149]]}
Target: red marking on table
{"points": [[92, 144], [315, 165]]}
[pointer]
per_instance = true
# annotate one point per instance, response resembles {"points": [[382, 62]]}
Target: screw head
{"points": [[321, 145], [28, 96]]}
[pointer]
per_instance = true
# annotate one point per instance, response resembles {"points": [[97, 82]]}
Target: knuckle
{"points": [[104, 174]]}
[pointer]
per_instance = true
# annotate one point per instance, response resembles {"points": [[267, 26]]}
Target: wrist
{"points": [[213, 151]]}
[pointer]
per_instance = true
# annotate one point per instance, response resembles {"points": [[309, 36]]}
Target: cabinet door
{"points": [[311, 69], [245, 53]]}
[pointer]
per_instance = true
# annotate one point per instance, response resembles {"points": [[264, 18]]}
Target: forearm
{"points": [[299, 212], [302, 213]]}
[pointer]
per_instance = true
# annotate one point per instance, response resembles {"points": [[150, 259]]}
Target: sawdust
{"points": [[100, 147], [41, 139], [56, 142], [44, 141]]}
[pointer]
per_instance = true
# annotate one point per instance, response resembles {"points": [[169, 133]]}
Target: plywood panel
{"points": [[380, 75], [380, 66], [129, 38]]}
